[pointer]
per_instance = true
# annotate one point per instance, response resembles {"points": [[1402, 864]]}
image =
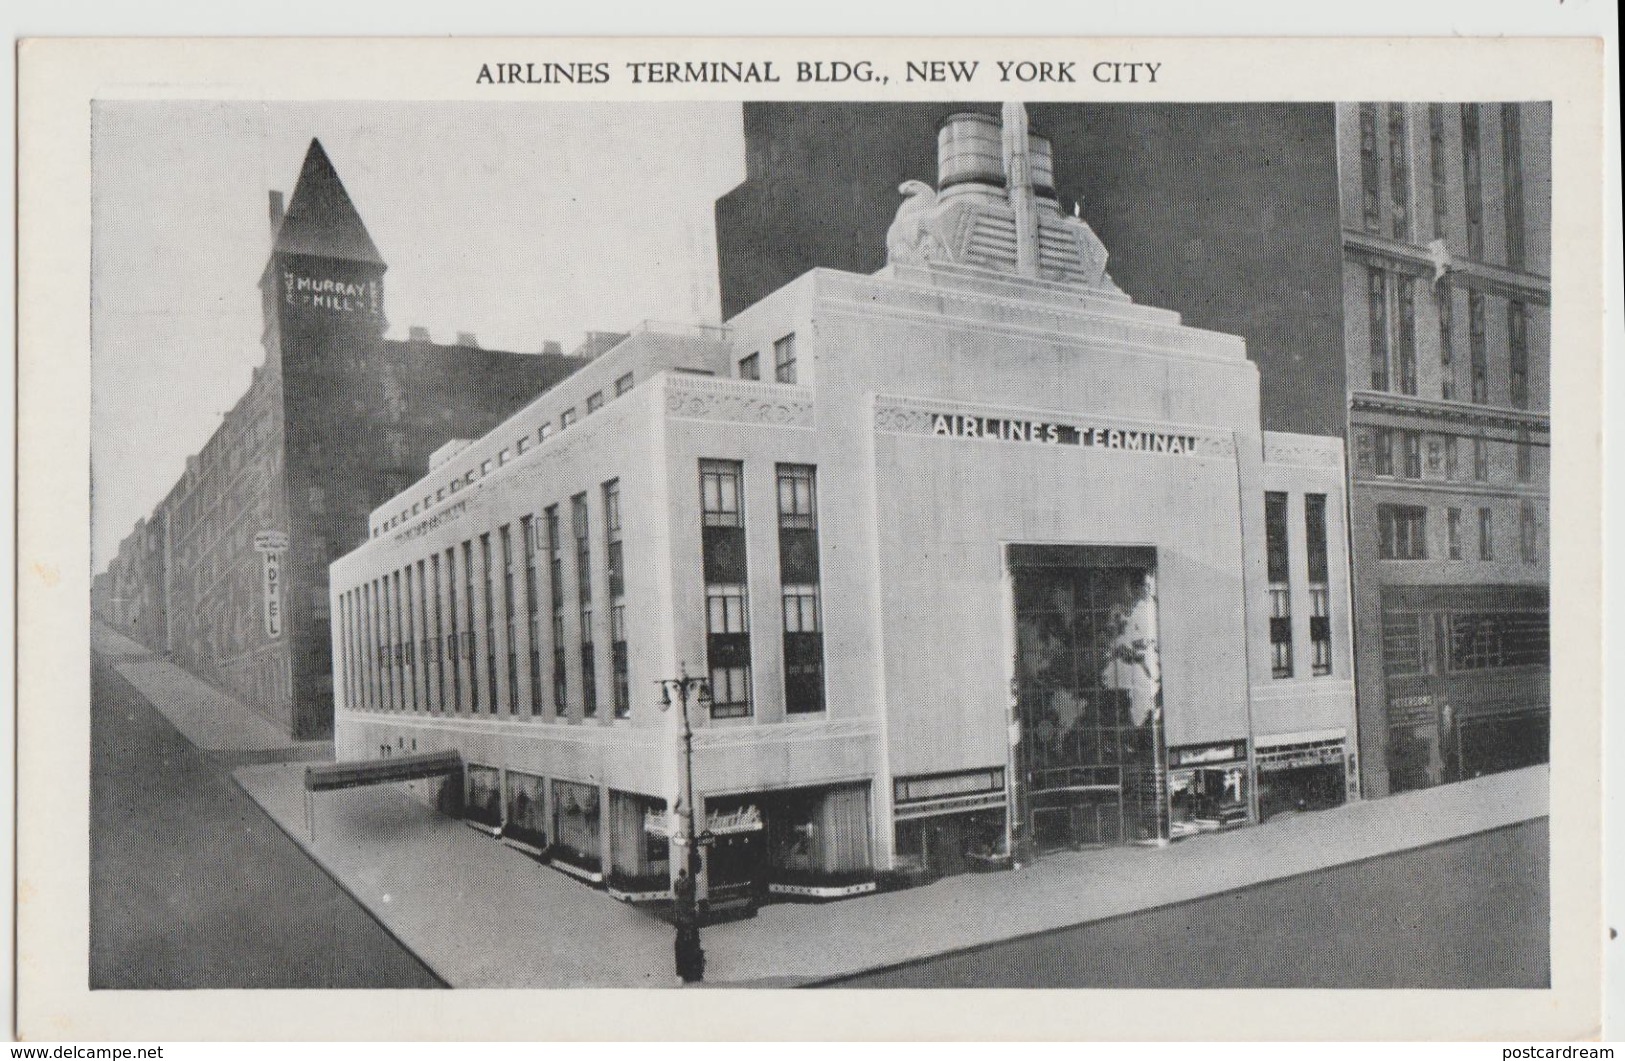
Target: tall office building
{"points": [[1446, 218]]}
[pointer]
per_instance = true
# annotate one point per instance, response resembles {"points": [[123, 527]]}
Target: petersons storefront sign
{"points": [[907, 416]]}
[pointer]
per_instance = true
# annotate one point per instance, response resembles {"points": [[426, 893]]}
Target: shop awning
{"points": [[381, 771]]}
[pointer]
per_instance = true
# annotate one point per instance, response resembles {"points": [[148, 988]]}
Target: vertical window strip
{"points": [[454, 641], [509, 614], [425, 675], [725, 569], [529, 531], [1438, 169], [555, 565], [1512, 182], [784, 359], [1399, 171], [800, 589], [1320, 621], [1472, 179], [487, 583], [621, 691], [1370, 169], [1486, 534], [1528, 531], [1377, 306], [1518, 354], [1406, 296], [589, 677], [1453, 532], [468, 645], [1277, 564], [1447, 367], [1478, 343], [439, 634]]}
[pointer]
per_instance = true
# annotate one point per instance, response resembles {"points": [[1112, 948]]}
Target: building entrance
{"points": [[1091, 763]]}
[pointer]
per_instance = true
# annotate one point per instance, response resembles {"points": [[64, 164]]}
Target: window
{"points": [[784, 359], [1405, 347], [1472, 179], [799, 577], [1382, 441], [566, 418], [1411, 442], [408, 621], [1481, 640], [619, 664], [1277, 562], [1525, 457], [426, 644], [589, 675], [543, 432], [1512, 181], [1320, 601], [504, 456], [1518, 354], [750, 367], [528, 531], [1407, 642], [1486, 534], [726, 614], [1453, 532], [623, 384], [1528, 544], [1451, 457], [1399, 177], [1481, 460], [1401, 532], [595, 402], [485, 468]]}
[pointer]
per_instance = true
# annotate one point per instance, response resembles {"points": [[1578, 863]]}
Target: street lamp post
{"points": [[690, 955]]}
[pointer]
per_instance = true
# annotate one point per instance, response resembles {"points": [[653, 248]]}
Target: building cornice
{"points": [[1457, 413], [1461, 272]]}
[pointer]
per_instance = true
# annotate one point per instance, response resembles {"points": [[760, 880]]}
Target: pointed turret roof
{"points": [[321, 220]]}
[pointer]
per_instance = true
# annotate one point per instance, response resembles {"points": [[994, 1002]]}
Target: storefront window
{"points": [[575, 824], [483, 802], [639, 860], [527, 821]]}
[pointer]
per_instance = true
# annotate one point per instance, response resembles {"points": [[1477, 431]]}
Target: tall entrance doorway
{"points": [[1091, 763]]}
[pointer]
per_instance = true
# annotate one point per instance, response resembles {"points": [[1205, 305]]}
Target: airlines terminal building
{"points": [[978, 556]]}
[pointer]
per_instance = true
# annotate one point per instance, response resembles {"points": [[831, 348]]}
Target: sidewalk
{"points": [[210, 718], [483, 915]]}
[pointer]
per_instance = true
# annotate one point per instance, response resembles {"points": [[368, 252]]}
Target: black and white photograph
{"points": [[1000, 540]]}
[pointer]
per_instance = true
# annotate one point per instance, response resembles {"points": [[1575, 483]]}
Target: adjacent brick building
{"points": [[229, 572]]}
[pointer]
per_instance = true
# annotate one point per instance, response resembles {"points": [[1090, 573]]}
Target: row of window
{"points": [[1402, 533], [409, 646], [1423, 641], [784, 361], [1391, 312], [1385, 139], [1399, 453], [1277, 560], [595, 401], [727, 576]]}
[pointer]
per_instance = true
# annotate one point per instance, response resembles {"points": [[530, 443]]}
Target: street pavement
{"points": [[191, 885], [1467, 913]]}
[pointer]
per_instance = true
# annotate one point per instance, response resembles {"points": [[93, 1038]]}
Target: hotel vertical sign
{"points": [[271, 545]]}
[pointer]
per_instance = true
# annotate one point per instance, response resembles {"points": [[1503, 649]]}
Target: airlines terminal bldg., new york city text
{"points": [[977, 556]]}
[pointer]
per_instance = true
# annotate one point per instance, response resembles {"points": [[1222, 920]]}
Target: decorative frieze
{"points": [[738, 401]]}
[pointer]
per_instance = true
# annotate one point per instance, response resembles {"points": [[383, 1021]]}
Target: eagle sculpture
{"points": [[910, 237]]}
